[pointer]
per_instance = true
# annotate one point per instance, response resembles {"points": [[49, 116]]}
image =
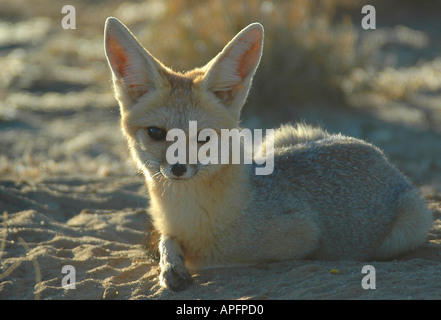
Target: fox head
{"points": [[154, 99]]}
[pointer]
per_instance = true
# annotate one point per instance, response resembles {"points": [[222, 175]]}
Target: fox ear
{"points": [[230, 73], [135, 71]]}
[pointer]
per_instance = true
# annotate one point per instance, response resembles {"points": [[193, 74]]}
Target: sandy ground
{"points": [[98, 226], [69, 195]]}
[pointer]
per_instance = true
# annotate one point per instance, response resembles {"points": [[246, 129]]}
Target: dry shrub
{"points": [[306, 52], [314, 49]]}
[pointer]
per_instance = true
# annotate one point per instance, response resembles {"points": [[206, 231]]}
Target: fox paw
{"points": [[175, 277]]}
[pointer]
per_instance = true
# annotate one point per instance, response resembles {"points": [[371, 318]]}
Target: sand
{"points": [[70, 196], [106, 245]]}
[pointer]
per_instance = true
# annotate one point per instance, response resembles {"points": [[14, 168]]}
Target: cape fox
{"points": [[329, 196]]}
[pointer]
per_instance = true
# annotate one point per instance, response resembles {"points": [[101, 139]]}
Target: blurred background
{"points": [[58, 116]]}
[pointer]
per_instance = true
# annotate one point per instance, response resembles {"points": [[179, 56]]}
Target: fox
{"points": [[329, 197]]}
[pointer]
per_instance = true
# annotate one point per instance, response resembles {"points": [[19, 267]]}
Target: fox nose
{"points": [[178, 169]]}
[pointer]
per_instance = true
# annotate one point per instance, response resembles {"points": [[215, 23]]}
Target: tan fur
{"points": [[329, 197]]}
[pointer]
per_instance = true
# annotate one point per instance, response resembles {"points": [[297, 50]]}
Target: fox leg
{"points": [[173, 275]]}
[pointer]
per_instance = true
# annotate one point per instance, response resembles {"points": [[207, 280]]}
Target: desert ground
{"points": [[70, 195]]}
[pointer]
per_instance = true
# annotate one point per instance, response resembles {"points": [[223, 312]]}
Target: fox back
{"points": [[329, 196]]}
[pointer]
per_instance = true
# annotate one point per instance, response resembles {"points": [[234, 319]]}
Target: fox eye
{"points": [[156, 133]]}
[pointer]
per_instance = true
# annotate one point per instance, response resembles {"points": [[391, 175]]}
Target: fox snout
{"points": [[178, 171]]}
